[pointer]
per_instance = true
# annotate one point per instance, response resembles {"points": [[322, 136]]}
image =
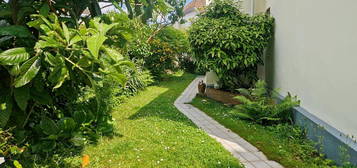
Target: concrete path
{"points": [[246, 153]]}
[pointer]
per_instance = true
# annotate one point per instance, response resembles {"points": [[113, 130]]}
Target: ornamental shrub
{"points": [[231, 43], [159, 49]]}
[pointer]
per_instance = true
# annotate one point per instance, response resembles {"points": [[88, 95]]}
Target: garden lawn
{"points": [[279, 143], [153, 133]]}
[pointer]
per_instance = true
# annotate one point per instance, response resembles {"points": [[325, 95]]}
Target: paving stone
{"points": [[274, 164], [260, 155], [260, 164], [248, 165], [250, 156], [246, 153]]}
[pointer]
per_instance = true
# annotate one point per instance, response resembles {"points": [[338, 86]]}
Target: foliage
{"points": [[259, 105], [284, 143], [8, 147], [46, 90], [160, 50], [19, 9], [166, 48], [230, 43], [138, 80]]}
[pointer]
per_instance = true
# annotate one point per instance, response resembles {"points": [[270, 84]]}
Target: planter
{"points": [[222, 96]]}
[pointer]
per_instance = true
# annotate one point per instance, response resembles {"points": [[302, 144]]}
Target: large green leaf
{"points": [[94, 43], [15, 70], [22, 96], [15, 30], [58, 75], [41, 96], [49, 42], [113, 54], [14, 56], [65, 32], [45, 9], [5, 109], [102, 28], [28, 71], [75, 39], [67, 124], [122, 79], [48, 126]]}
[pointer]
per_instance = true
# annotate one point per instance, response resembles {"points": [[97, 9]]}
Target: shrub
{"points": [[230, 43], [52, 94], [259, 105], [159, 49], [138, 79]]}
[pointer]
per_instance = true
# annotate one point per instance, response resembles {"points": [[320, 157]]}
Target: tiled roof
{"points": [[194, 4]]}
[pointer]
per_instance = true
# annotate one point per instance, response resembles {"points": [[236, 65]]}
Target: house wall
{"points": [[259, 6], [189, 18], [314, 56]]}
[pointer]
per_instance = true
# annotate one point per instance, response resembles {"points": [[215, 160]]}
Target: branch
{"points": [[106, 6], [156, 32]]}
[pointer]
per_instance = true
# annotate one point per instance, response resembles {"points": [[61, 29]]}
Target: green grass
{"points": [[282, 143], [153, 133]]}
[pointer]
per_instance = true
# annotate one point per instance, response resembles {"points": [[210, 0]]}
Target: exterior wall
{"points": [[257, 6], [189, 17], [314, 56], [260, 6]]}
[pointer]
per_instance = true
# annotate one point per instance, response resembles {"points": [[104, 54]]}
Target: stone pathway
{"points": [[246, 153]]}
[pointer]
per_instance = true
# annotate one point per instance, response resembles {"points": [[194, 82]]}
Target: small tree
{"points": [[230, 43]]}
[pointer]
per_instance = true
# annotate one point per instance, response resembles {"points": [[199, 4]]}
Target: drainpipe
{"points": [[252, 7]]}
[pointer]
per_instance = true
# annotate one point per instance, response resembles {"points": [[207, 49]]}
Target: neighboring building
{"points": [[195, 7], [313, 55], [191, 10]]}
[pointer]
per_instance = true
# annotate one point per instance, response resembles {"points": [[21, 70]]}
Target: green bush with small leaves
{"points": [[231, 43]]}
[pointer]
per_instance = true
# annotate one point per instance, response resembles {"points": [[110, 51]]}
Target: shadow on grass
{"points": [[163, 105]]}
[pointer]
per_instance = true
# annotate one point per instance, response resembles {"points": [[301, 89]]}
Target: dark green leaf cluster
{"points": [[230, 43], [259, 105]]}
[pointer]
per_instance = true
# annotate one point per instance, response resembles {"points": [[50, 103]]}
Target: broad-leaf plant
{"points": [[37, 83]]}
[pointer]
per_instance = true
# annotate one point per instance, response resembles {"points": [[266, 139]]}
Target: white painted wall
{"points": [[315, 57], [189, 18]]}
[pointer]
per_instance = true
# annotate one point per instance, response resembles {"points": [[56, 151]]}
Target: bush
{"points": [[259, 105], [53, 93], [167, 47], [139, 79], [230, 43], [160, 50]]}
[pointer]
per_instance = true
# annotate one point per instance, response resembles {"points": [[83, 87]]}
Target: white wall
{"points": [[189, 18], [315, 57]]}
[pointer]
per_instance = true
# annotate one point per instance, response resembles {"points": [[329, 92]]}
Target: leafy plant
{"points": [[160, 51], [41, 86], [259, 105], [230, 43]]}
